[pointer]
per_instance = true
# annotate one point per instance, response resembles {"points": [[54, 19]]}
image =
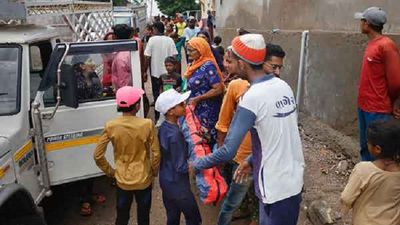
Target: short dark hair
{"points": [[159, 26], [242, 31], [254, 67], [386, 134], [174, 35], [128, 109], [217, 40], [274, 50], [376, 28], [122, 31], [170, 59]]}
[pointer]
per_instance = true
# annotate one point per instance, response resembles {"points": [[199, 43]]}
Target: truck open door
{"points": [[76, 98]]}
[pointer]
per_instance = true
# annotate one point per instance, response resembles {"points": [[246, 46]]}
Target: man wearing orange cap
{"points": [[268, 110]]}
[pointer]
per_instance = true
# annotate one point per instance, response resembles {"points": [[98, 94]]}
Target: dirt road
{"points": [[323, 147]]}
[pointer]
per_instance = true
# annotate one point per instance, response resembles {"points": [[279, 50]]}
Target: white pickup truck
{"points": [[50, 116]]}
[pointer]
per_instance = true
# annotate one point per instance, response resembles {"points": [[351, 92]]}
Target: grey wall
{"points": [[335, 48], [330, 85], [330, 15]]}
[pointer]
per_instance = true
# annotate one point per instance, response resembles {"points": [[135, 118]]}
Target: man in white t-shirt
{"points": [[191, 30], [268, 110], [157, 50]]}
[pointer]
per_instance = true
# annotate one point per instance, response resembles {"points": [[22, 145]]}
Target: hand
{"points": [[396, 112], [191, 169], [396, 109], [242, 173], [194, 101], [144, 77]]}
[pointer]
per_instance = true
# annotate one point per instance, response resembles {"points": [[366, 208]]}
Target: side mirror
{"points": [[68, 86]]}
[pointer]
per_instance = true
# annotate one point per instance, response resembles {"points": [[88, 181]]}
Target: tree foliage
{"points": [[170, 7], [119, 2]]}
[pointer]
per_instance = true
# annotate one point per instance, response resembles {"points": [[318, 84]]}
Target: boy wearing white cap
{"points": [[174, 172], [268, 110], [136, 156]]}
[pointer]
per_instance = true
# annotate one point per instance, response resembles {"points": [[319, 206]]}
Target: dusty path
{"points": [[324, 148]]}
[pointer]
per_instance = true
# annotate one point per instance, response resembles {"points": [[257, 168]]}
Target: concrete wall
{"points": [[330, 84], [328, 15], [335, 47]]}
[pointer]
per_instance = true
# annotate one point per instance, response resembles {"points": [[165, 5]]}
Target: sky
{"points": [[155, 10]]}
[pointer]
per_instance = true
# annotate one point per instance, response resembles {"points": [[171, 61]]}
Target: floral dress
{"points": [[207, 111]]}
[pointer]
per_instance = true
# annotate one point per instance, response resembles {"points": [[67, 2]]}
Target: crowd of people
{"points": [[249, 113]]}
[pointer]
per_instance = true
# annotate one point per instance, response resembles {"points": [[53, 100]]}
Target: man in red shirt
{"points": [[379, 87]]}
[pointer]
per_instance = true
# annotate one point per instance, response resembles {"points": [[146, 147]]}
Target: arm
{"points": [[392, 68], [226, 113], [147, 54], [154, 150], [179, 153], [217, 88], [161, 85], [353, 189], [244, 119], [99, 155]]}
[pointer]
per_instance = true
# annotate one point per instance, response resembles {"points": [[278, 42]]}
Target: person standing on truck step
{"points": [[268, 110], [157, 49], [379, 87], [121, 66], [180, 25], [136, 156], [174, 172]]}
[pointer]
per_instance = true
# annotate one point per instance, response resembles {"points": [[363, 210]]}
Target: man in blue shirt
{"points": [[174, 176], [268, 110]]}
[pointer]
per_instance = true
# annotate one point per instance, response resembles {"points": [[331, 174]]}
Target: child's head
{"points": [[384, 139], [171, 103], [174, 37], [128, 99], [217, 40], [170, 63]]}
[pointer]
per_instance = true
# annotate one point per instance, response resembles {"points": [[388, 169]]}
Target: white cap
{"points": [[170, 99]]}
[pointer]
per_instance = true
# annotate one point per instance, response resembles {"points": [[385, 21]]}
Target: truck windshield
{"points": [[9, 79], [123, 20]]}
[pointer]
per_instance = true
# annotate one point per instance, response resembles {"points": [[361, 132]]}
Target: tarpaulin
{"points": [[211, 185]]}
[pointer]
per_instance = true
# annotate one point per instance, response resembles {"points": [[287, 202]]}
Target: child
{"points": [[171, 79], [217, 45], [179, 42], [373, 190], [174, 177], [136, 156]]}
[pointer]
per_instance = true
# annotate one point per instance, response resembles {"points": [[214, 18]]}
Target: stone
{"points": [[319, 213], [342, 166]]}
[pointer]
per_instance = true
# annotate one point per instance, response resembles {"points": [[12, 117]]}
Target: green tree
{"points": [[119, 2], [170, 7]]}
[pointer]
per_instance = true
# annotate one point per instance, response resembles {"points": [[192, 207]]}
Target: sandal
{"points": [[99, 198], [86, 210]]}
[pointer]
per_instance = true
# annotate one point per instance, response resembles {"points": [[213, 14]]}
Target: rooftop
{"points": [[25, 33]]}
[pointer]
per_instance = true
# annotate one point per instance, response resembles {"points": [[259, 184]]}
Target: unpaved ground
{"points": [[323, 147]]}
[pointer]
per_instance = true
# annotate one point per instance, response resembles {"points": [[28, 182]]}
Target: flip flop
{"points": [[86, 210], [99, 198]]}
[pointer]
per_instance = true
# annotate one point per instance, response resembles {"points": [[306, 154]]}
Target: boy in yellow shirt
{"points": [[136, 156]]}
